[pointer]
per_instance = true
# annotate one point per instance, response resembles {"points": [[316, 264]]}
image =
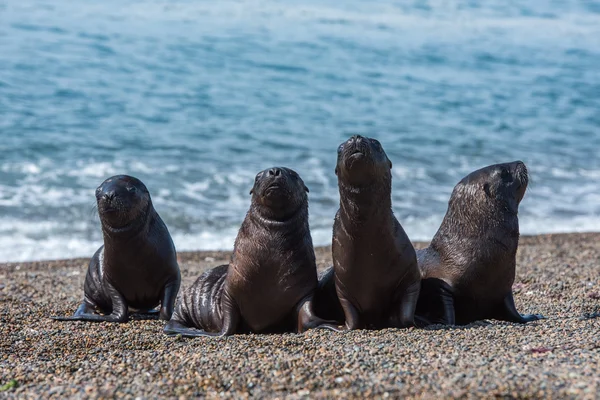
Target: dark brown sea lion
{"points": [[469, 268], [269, 284], [136, 269], [375, 272]]}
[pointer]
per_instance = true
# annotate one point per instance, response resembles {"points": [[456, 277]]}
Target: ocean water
{"points": [[195, 98]]}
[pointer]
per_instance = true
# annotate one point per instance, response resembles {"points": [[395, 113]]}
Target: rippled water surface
{"points": [[194, 98]]}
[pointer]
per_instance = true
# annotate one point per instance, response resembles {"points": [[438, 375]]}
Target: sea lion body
{"points": [[269, 283], [469, 268], [136, 269], [375, 271]]}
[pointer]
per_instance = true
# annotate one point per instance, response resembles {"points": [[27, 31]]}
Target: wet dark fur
{"points": [[469, 268], [375, 273], [269, 284], [136, 268]]}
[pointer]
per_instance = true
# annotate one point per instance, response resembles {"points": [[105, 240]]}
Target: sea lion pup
{"points": [[269, 284], [136, 268], [375, 270], [469, 268]]}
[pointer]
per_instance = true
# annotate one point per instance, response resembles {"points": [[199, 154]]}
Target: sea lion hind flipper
{"points": [[231, 319], [91, 318], [507, 311], [436, 303], [325, 302], [173, 328], [306, 318]]}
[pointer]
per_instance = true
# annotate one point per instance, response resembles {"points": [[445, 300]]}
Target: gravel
{"points": [[559, 357]]}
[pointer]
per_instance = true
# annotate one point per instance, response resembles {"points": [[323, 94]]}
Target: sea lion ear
{"points": [[390, 163], [336, 171], [306, 188], [251, 191], [486, 189]]}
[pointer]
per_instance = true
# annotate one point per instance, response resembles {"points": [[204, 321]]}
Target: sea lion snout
{"points": [[520, 173], [361, 160], [280, 190], [355, 146], [510, 180], [521, 176]]}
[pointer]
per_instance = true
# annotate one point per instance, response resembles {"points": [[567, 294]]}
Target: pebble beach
{"points": [[558, 357]]}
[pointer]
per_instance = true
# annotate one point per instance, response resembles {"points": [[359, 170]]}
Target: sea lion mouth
{"points": [[355, 157], [272, 188]]}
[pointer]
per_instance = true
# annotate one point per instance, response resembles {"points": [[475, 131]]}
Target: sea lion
{"points": [[136, 269], [375, 272], [469, 268], [269, 284]]}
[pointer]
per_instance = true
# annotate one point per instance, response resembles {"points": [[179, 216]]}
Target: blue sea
{"points": [[195, 97]]}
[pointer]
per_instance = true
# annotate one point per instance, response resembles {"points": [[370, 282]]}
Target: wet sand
{"points": [[559, 357]]}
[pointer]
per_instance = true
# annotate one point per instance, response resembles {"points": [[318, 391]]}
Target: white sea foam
{"points": [[39, 241]]}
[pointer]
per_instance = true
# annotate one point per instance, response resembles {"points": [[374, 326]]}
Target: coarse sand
{"points": [[558, 357]]}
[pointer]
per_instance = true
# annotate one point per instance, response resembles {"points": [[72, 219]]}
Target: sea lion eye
{"points": [[340, 147], [505, 175], [131, 189]]}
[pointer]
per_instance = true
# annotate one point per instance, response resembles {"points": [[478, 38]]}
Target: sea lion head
{"points": [[361, 161], [279, 192], [123, 202], [501, 184]]}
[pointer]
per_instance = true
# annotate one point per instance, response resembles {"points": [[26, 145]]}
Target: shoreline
{"points": [[319, 250], [558, 275]]}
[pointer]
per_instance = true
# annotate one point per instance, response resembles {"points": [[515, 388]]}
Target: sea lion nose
{"points": [[109, 196], [275, 172], [356, 138]]}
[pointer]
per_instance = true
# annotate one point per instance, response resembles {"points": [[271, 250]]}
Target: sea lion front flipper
{"points": [[307, 319], [86, 313], [436, 303], [351, 315], [404, 314], [507, 311], [167, 303]]}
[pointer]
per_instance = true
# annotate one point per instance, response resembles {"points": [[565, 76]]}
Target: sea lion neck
{"points": [[365, 202], [467, 223], [259, 217]]}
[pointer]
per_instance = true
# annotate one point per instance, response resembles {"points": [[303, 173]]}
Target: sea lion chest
{"points": [[139, 273], [267, 281], [371, 261], [479, 268]]}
